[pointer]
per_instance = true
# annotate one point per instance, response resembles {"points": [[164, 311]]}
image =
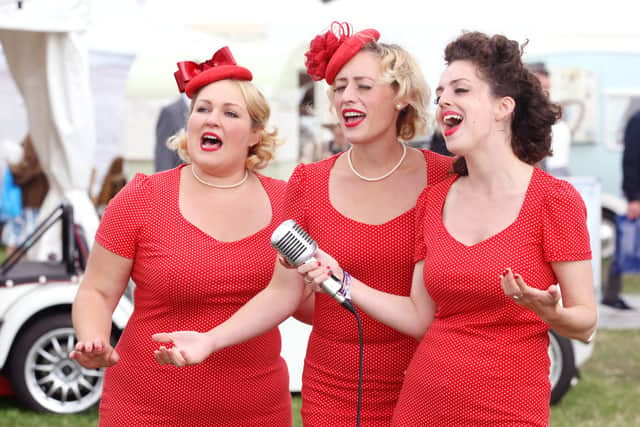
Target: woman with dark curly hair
{"points": [[361, 205], [497, 245]]}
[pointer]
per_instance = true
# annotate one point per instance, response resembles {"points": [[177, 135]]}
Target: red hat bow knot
{"points": [[192, 75]]}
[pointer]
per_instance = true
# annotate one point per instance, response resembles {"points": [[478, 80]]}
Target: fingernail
{"points": [[504, 273]]}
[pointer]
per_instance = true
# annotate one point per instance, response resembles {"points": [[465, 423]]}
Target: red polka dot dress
{"points": [[187, 280], [484, 360], [382, 257]]}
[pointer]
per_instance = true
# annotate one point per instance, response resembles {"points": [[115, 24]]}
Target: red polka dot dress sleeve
{"points": [[295, 201], [484, 359], [187, 280], [439, 167], [419, 252], [566, 237], [123, 217]]}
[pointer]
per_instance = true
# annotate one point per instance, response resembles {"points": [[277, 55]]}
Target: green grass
{"points": [[609, 388], [606, 395], [12, 416]]}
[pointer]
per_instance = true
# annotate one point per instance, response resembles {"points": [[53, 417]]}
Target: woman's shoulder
{"points": [[321, 165], [312, 172], [148, 184], [556, 193], [431, 191], [439, 166], [271, 183], [553, 187]]}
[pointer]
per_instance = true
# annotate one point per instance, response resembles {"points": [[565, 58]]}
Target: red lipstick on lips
{"points": [[451, 120], [209, 141], [352, 117]]}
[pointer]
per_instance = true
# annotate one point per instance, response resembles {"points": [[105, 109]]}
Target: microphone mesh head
{"points": [[293, 243]]}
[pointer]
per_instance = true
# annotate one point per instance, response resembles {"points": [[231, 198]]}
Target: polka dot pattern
{"points": [[484, 359], [379, 255], [187, 280]]}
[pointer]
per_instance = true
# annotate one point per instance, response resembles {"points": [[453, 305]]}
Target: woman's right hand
{"points": [[94, 354]]}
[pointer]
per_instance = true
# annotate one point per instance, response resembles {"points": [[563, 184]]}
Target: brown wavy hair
{"points": [[499, 63]]}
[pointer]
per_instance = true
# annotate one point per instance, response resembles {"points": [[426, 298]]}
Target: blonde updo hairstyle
{"points": [[402, 72], [259, 155]]}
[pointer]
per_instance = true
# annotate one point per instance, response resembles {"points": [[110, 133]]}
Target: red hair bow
{"points": [[187, 70]]}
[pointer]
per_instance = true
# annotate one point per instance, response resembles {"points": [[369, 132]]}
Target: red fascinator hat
{"points": [[330, 51], [191, 76]]}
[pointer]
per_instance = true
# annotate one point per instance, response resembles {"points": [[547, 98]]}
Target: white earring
{"points": [[399, 107]]}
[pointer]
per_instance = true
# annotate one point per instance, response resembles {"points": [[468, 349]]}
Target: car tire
{"points": [[43, 377], [562, 370]]}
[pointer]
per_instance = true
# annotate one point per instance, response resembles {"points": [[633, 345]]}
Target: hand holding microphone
{"points": [[325, 267], [298, 248]]}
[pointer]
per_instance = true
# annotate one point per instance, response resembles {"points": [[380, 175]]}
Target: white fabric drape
{"points": [[51, 71]]}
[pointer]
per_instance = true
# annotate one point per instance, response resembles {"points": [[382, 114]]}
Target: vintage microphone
{"points": [[297, 247]]}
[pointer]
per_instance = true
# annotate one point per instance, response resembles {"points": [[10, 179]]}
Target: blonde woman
{"points": [[186, 236]]}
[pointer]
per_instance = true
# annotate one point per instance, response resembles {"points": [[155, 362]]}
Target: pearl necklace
{"points": [[237, 184], [393, 169]]}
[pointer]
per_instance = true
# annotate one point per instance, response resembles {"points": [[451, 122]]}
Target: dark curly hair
{"points": [[499, 62]]}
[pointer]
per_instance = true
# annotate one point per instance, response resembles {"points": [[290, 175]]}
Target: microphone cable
{"points": [[347, 304], [297, 247]]}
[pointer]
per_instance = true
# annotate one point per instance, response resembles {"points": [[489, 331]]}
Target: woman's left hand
{"points": [[189, 348], [545, 303]]}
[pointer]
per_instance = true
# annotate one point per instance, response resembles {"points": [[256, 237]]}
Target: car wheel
{"points": [[563, 368], [608, 233], [43, 377]]}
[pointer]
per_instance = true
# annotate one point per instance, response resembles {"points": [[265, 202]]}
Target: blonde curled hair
{"points": [[403, 73], [259, 155]]}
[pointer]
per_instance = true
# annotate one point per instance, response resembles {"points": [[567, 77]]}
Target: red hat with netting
{"points": [[328, 52]]}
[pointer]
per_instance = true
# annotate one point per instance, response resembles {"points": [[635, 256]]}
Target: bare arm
{"points": [[104, 281], [411, 315], [304, 313], [569, 309], [279, 300]]}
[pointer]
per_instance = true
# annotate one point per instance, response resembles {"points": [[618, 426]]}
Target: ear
{"points": [[256, 137], [504, 107], [401, 104]]}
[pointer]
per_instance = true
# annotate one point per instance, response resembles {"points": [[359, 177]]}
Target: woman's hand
{"points": [[94, 354], [283, 261], [189, 348], [315, 272], [545, 303]]}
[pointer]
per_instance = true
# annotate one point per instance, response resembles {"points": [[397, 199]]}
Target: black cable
{"points": [[347, 304]]}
